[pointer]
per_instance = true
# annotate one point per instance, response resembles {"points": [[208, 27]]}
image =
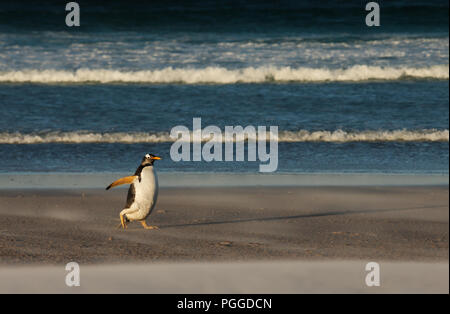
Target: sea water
{"points": [[346, 98]]}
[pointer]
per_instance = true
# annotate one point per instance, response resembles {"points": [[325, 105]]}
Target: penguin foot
{"points": [[123, 222], [144, 224]]}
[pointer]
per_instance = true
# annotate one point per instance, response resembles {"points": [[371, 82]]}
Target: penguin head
{"points": [[149, 159]]}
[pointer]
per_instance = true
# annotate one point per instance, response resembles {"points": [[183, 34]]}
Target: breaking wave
{"points": [[338, 136], [220, 75]]}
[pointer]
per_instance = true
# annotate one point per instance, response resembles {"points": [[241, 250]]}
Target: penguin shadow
{"points": [[276, 218]]}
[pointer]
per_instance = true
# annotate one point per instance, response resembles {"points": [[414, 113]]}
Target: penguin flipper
{"points": [[124, 180]]}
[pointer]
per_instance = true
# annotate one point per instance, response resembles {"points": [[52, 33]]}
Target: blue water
{"points": [[98, 97]]}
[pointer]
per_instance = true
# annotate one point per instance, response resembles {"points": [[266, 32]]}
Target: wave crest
{"points": [[338, 136], [430, 135], [220, 75]]}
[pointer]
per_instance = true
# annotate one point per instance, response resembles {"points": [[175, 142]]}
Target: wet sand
{"points": [[227, 224]]}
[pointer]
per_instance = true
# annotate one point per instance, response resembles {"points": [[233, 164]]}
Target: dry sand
{"points": [[290, 228], [227, 224], [230, 278]]}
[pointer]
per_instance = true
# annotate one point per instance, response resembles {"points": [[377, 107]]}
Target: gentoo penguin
{"points": [[142, 193]]}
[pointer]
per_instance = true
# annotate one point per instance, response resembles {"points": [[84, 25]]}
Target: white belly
{"points": [[146, 194]]}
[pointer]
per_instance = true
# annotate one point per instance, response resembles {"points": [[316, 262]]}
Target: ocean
{"points": [[346, 98]]}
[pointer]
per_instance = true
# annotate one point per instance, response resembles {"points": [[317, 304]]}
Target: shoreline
{"points": [[207, 179]]}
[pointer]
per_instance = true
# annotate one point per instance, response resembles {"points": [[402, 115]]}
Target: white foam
{"points": [[431, 135], [340, 136], [220, 75]]}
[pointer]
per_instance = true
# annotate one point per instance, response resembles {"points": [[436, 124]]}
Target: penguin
{"points": [[142, 194]]}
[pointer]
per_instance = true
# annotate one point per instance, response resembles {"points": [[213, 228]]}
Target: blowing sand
{"points": [[342, 227]]}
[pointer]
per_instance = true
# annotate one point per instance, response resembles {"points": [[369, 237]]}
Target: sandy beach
{"points": [[227, 224], [303, 239], [230, 278]]}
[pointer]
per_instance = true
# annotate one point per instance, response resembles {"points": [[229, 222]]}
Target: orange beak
{"points": [[156, 158]]}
